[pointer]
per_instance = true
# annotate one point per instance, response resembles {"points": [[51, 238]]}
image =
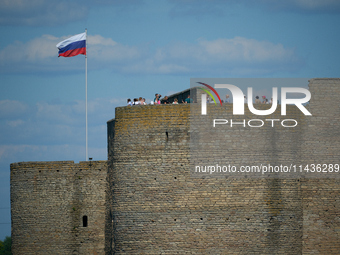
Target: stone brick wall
{"points": [[321, 143], [48, 203], [157, 207], [144, 200]]}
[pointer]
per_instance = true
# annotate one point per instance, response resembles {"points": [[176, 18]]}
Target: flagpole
{"points": [[86, 150]]}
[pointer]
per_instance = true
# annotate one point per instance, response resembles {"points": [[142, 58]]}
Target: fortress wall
{"points": [[48, 202], [157, 207], [322, 136], [321, 145], [145, 201]]}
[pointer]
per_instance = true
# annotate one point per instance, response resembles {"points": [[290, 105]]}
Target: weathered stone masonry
{"points": [[146, 201], [51, 202], [158, 208]]}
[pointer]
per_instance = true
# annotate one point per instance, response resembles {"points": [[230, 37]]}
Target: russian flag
{"points": [[73, 46]]}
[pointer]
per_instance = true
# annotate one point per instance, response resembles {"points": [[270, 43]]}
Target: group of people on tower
{"points": [[257, 100], [157, 100]]}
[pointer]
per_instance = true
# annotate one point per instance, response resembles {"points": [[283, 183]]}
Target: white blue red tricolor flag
{"points": [[73, 46]]}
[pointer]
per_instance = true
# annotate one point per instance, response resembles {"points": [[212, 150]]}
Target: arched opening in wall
{"points": [[84, 221]]}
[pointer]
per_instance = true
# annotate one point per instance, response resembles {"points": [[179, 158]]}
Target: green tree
{"points": [[6, 246]]}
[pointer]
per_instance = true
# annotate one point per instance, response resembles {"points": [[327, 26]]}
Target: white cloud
{"points": [[201, 8], [40, 55], [235, 56], [53, 13], [240, 49], [40, 12], [33, 51], [49, 131], [12, 109], [238, 55], [313, 6], [105, 49], [14, 123], [48, 123]]}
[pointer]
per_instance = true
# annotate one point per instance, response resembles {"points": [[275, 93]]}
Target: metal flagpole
{"points": [[86, 150]]}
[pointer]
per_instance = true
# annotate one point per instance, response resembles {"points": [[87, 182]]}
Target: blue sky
{"points": [[139, 48]]}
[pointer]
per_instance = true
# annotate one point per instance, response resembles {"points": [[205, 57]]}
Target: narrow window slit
{"points": [[84, 221]]}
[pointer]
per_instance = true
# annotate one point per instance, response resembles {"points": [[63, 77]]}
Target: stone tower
{"points": [[156, 207], [58, 207], [144, 200]]}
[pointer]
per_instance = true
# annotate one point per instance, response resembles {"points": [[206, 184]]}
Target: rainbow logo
{"points": [[208, 92]]}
